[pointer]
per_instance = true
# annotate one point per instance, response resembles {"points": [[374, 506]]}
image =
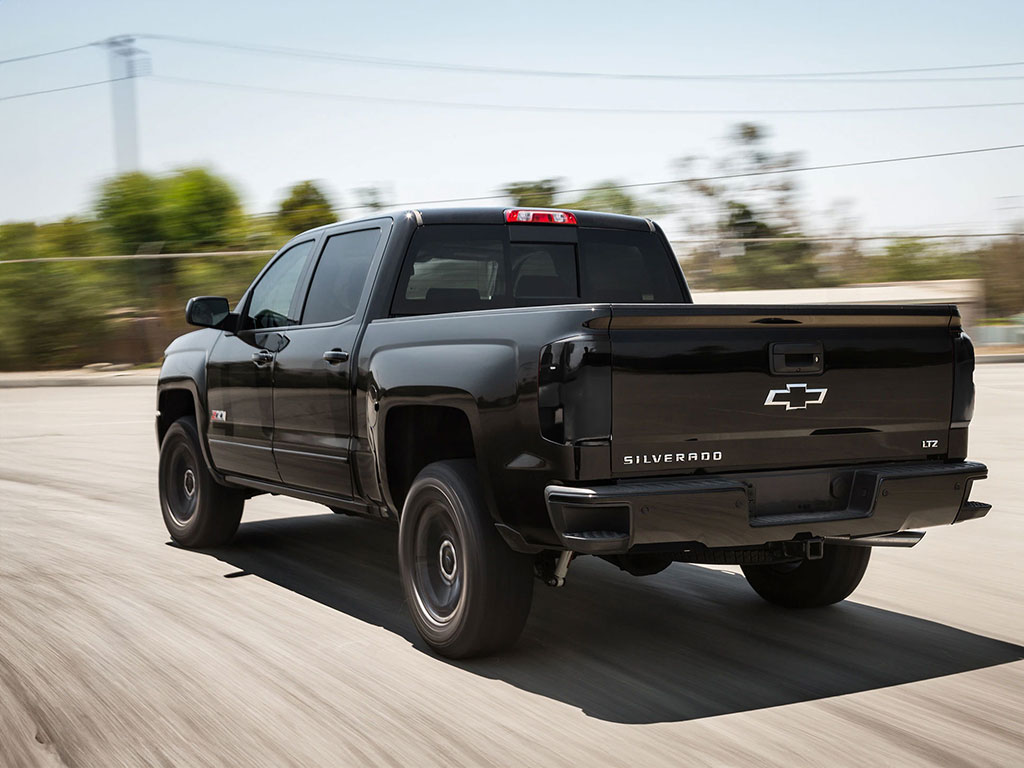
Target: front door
{"points": [[312, 374], [240, 370]]}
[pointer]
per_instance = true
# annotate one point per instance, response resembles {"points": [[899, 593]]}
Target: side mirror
{"points": [[209, 312]]}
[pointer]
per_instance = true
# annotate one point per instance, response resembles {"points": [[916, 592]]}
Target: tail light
{"points": [[574, 390], [963, 381], [963, 397], [527, 216]]}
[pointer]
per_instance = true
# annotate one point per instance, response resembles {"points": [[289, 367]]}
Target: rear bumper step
{"points": [[855, 506]]}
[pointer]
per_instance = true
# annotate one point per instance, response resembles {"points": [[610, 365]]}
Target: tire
{"points": [[811, 583], [197, 510], [468, 593]]}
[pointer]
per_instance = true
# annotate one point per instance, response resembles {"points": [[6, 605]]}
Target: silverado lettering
{"points": [[669, 458]]}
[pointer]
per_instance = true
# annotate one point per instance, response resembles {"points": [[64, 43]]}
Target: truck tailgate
{"points": [[722, 388]]}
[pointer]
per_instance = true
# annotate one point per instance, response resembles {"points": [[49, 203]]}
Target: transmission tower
{"points": [[127, 62]]}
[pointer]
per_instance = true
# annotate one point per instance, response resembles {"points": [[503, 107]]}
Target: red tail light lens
{"points": [[526, 216]]}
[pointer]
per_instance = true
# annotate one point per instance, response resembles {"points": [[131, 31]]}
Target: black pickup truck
{"points": [[518, 387]]}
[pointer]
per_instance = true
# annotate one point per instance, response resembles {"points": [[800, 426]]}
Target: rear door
{"points": [[313, 373], [704, 388]]}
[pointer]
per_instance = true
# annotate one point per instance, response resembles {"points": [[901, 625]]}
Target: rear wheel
{"points": [[811, 583], [469, 594], [197, 510]]}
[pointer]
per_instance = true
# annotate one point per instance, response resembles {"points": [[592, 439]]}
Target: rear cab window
{"points": [[465, 267]]}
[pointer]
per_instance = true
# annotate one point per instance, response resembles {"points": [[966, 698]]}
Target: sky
{"points": [[56, 148]]}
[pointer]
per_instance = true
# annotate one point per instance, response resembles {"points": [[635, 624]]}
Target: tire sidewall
{"points": [[426, 489], [181, 435]]}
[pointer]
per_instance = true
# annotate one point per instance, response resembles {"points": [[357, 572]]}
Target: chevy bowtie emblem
{"points": [[796, 397]]}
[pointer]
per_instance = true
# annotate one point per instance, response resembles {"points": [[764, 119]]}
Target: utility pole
{"points": [[125, 65]]}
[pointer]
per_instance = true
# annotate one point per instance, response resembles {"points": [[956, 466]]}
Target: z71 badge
{"points": [[218, 415]]}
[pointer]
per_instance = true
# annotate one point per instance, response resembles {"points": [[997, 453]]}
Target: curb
{"points": [[1013, 358], [77, 381]]}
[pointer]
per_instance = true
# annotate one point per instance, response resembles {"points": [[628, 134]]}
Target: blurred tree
{"points": [[609, 197], [908, 259], [537, 194], [1002, 267], [72, 236], [199, 209], [371, 198], [18, 240], [305, 207], [130, 207], [760, 204]]}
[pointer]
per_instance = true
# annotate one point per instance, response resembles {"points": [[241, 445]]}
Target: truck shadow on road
{"points": [[688, 643]]}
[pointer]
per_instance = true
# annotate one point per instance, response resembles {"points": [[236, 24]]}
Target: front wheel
{"points": [[197, 510], [468, 593], [811, 583]]}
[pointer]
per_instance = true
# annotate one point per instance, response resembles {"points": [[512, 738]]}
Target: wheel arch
{"points": [[414, 433], [181, 397]]}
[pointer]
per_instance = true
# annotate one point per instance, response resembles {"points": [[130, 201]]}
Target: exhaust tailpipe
{"points": [[899, 539]]}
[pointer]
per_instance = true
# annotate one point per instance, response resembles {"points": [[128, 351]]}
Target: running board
{"points": [[349, 505], [899, 539]]}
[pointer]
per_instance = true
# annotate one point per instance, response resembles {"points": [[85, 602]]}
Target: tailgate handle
{"points": [[797, 358]]}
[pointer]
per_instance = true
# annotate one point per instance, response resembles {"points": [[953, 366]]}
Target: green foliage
{"points": [[1002, 268], [192, 209], [610, 200], [305, 207], [57, 312], [131, 208], [72, 237], [18, 240], [198, 209], [905, 260], [536, 194]]}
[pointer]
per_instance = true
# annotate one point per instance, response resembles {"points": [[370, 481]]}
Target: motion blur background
{"points": [[867, 152], [784, 146]]}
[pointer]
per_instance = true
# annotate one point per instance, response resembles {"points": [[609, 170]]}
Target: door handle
{"points": [[263, 357], [335, 356], [797, 358]]}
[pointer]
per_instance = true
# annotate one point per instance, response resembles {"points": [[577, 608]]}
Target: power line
{"points": [[569, 109], [47, 53], [58, 90], [136, 257], [675, 241], [837, 238], [494, 70], [720, 177]]}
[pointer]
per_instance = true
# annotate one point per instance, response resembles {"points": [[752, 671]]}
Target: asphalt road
{"points": [[292, 645]]}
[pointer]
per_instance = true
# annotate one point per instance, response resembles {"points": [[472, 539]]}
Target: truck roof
{"points": [[494, 214]]}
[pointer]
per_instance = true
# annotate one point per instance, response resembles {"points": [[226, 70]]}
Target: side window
{"points": [[273, 294], [340, 276], [452, 268], [628, 267]]}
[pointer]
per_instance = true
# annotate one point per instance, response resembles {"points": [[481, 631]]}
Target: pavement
{"points": [[292, 647]]}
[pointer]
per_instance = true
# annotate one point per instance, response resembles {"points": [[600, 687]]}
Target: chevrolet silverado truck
{"points": [[518, 387]]}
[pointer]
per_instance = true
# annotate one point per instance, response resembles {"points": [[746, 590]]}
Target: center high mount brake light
{"points": [[525, 216]]}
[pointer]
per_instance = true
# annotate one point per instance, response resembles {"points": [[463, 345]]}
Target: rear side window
{"points": [[459, 268], [626, 268], [340, 276]]}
